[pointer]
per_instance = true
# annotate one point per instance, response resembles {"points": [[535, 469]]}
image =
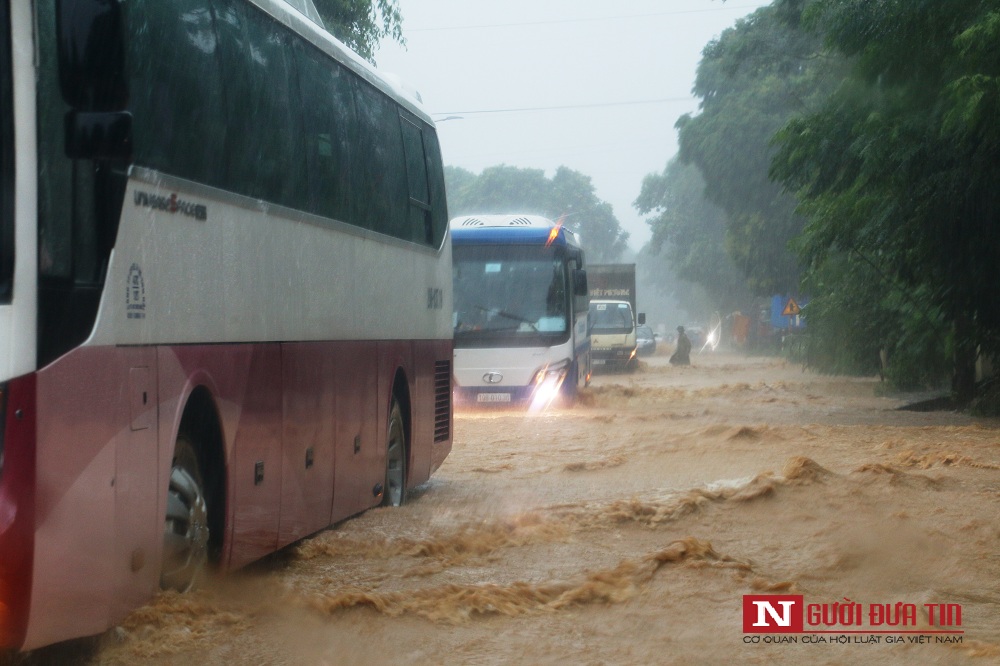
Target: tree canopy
{"points": [[899, 165], [751, 81], [568, 195], [362, 24], [689, 232], [853, 147]]}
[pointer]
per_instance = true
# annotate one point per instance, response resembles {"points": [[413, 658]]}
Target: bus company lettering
{"points": [[788, 613], [171, 204], [609, 293]]}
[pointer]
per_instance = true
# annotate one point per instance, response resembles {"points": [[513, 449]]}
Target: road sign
{"points": [[792, 309]]}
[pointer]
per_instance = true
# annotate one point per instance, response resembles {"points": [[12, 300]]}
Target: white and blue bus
{"points": [[520, 311]]}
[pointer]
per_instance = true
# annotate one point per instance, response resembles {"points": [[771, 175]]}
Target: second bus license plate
{"points": [[493, 397]]}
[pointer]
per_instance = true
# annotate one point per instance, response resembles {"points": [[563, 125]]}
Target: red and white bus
{"points": [[225, 298]]}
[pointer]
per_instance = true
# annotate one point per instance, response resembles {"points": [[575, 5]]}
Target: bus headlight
{"points": [[546, 384]]}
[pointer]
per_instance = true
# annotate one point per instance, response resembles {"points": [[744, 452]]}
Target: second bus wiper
{"points": [[510, 315]]}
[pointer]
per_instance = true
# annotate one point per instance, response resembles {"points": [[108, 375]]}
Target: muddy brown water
{"points": [[626, 530]]}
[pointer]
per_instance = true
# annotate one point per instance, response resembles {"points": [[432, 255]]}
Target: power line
{"points": [[582, 20], [662, 100]]}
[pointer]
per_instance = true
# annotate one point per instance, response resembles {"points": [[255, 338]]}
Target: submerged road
{"points": [[628, 529]]}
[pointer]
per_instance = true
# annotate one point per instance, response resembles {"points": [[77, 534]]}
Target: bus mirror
{"points": [[99, 135], [581, 295], [91, 48], [642, 318]]}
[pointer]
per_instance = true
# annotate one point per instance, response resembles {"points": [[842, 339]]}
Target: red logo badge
{"points": [[772, 613]]}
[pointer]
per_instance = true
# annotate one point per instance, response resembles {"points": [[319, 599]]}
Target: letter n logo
{"points": [[772, 614]]}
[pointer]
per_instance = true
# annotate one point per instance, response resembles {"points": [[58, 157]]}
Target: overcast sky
{"points": [[595, 85]]}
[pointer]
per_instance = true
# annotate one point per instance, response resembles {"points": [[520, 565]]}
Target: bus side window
{"points": [[435, 179], [421, 229], [263, 151], [329, 122], [380, 179], [175, 88]]}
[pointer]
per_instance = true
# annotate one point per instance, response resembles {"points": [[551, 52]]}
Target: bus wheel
{"points": [[185, 530], [395, 459]]}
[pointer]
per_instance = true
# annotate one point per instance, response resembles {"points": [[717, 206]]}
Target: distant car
{"points": [[645, 341]]}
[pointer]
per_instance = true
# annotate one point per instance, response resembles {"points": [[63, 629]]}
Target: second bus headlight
{"points": [[547, 382]]}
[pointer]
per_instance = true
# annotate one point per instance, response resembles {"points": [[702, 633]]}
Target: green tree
{"points": [[362, 24], [689, 235], [858, 317], [900, 164], [568, 195], [751, 81]]}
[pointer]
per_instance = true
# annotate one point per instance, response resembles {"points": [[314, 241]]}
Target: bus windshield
{"points": [[512, 293]]}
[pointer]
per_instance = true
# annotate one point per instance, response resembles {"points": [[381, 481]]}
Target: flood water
{"points": [[627, 529]]}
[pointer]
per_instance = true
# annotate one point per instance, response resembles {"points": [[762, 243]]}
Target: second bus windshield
{"points": [[515, 294]]}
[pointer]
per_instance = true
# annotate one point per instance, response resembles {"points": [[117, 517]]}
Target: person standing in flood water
{"points": [[682, 354]]}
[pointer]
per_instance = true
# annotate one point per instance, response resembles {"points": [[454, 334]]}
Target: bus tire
{"points": [[185, 528], [395, 458]]}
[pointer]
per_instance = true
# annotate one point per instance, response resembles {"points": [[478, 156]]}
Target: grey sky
{"points": [[618, 75]]}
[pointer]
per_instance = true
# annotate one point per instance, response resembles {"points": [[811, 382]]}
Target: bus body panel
{"points": [[310, 379], [97, 519], [22, 483], [294, 328], [357, 427], [516, 367], [95, 508], [245, 385], [164, 287], [138, 521], [18, 319], [17, 508]]}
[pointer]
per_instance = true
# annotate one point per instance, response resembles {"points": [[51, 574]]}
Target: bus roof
{"points": [[298, 15], [511, 229]]}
